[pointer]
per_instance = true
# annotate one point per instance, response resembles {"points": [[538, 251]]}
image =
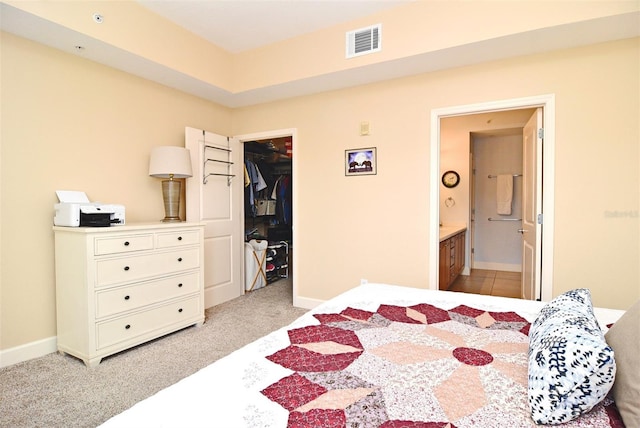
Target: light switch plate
{"points": [[364, 128]]}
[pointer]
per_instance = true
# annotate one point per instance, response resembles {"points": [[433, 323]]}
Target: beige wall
{"points": [[497, 244], [72, 124], [411, 30], [376, 227], [131, 28]]}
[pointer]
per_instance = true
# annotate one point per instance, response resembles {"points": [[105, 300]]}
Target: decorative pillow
{"points": [[624, 338], [571, 367]]}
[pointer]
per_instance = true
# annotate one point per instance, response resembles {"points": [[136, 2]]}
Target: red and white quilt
{"points": [[376, 356]]}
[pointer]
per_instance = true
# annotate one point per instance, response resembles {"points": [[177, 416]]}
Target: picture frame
{"points": [[360, 161]]}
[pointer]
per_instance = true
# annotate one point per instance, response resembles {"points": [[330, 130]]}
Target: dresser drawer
{"points": [[134, 268], [115, 300], [175, 239], [123, 244], [142, 323]]}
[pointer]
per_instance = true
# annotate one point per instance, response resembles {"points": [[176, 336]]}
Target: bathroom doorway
{"points": [[462, 197]]}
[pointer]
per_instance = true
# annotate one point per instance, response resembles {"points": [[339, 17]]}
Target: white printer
{"points": [[75, 210]]}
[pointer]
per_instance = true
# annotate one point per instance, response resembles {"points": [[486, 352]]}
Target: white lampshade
{"points": [[170, 161]]}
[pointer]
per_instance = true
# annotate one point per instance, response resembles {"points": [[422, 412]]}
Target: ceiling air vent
{"points": [[364, 41]]}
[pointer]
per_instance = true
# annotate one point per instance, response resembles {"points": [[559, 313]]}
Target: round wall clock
{"points": [[450, 179]]}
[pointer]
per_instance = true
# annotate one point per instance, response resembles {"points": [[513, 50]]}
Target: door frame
{"points": [[547, 102], [278, 133]]}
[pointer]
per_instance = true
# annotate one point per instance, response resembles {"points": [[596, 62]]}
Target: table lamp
{"points": [[170, 162]]}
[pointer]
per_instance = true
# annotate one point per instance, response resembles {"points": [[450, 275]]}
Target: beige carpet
{"points": [[59, 391]]}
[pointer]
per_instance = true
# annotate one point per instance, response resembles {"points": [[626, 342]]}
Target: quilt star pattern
{"points": [[414, 366]]}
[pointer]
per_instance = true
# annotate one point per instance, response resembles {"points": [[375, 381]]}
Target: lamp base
{"points": [[171, 197], [172, 220]]}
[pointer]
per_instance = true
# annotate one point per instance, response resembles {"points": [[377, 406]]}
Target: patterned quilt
{"points": [[377, 355], [412, 366]]}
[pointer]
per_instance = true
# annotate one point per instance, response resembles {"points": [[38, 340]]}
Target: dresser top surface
{"points": [[129, 227]]}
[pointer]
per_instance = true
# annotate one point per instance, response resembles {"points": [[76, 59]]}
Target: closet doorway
{"points": [[542, 269], [268, 209]]}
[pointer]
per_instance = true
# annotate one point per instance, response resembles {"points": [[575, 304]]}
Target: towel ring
{"points": [[449, 202]]}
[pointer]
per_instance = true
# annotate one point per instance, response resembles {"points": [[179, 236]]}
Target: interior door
{"points": [[531, 206], [472, 205], [214, 196]]}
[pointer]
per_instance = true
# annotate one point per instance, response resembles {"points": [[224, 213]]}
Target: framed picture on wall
{"points": [[360, 161]]}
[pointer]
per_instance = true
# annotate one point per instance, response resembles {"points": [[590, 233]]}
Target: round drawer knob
{"points": [[126, 243], [179, 238], [126, 268], [179, 259], [126, 297], [127, 327], [180, 310], [180, 285]]}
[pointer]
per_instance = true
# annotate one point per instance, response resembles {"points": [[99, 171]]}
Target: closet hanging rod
{"points": [[505, 219], [216, 160], [255, 155], [495, 176], [224, 149]]}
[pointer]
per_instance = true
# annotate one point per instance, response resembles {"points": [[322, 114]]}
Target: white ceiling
{"points": [[240, 25], [237, 25]]}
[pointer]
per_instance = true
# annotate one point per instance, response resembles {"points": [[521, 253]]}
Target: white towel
{"points": [[504, 194]]}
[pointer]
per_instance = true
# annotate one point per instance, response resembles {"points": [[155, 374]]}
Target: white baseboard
{"points": [[497, 266], [305, 302], [28, 351], [40, 348]]}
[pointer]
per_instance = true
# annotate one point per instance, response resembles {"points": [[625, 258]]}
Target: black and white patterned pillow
{"points": [[571, 367]]}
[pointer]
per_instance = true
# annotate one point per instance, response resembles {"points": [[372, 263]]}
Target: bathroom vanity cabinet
{"points": [[452, 257]]}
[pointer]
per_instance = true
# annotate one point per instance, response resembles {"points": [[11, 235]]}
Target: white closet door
{"points": [[215, 199]]}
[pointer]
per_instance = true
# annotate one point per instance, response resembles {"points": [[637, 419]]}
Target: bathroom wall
{"points": [[497, 244]]}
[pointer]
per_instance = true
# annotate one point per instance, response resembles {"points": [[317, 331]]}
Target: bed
{"points": [[375, 356]]}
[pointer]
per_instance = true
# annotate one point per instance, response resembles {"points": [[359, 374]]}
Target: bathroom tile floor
{"points": [[489, 282]]}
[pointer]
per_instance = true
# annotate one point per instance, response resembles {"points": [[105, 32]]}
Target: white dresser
{"points": [[117, 287]]}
